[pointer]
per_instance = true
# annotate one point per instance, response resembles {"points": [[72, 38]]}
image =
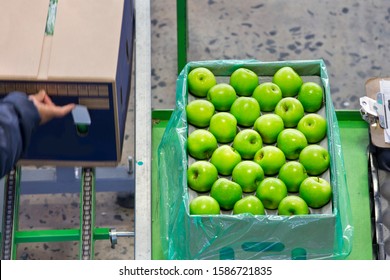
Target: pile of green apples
{"points": [[256, 146]]}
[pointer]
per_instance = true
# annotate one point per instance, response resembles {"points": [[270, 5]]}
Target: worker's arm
{"points": [[19, 117]]}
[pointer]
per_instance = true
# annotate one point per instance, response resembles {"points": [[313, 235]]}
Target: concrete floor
{"points": [[352, 37]]}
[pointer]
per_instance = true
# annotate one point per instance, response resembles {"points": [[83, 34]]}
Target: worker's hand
{"points": [[47, 109]]}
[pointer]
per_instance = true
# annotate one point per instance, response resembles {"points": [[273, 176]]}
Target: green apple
{"points": [[200, 80], [244, 81], [316, 191], [271, 191], [311, 96], [199, 112], [313, 126], [247, 142], [315, 159], [293, 205], [248, 174], [246, 110], [292, 173], [201, 175], [291, 141], [288, 80], [222, 95], [204, 205], [201, 144], [269, 126], [290, 110], [223, 126], [271, 159], [268, 95], [226, 192], [225, 158], [249, 205]]}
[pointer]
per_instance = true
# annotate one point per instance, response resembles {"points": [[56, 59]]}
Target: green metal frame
{"points": [[354, 139], [182, 32], [54, 235]]}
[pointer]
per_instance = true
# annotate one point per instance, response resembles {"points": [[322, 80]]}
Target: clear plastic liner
{"points": [[326, 235]]}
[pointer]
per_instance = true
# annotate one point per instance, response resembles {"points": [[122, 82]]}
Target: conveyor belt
{"points": [[8, 219], [11, 236], [379, 188], [87, 214]]}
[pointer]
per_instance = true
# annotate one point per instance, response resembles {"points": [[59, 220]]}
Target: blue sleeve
{"points": [[18, 119]]}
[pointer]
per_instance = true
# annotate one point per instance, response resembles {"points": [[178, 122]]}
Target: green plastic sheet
{"points": [[185, 236]]}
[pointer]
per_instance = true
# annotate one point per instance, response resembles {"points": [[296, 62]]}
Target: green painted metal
{"points": [[57, 235], [182, 32], [50, 235], [354, 140], [350, 118], [101, 234], [160, 121]]}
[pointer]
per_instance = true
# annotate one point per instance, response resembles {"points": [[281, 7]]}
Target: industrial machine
{"points": [[375, 110], [105, 97], [85, 58], [79, 52]]}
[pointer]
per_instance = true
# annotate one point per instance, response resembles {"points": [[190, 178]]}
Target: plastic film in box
{"points": [[184, 236]]}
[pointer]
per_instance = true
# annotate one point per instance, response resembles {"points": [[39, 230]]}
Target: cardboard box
{"points": [[323, 234], [87, 60]]}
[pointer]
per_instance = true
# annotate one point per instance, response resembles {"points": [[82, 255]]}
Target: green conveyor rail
{"points": [[57, 235], [160, 121], [354, 141], [182, 32]]}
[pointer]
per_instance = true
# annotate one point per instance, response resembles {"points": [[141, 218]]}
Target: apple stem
{"points": [[261, 155]]}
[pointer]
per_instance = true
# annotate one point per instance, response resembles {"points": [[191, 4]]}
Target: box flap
{"points": [[22, 28], [86, 40]]}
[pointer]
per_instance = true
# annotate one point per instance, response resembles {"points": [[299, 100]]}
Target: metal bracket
{"points": [[378, 111], [115, 234], [372, 111]]}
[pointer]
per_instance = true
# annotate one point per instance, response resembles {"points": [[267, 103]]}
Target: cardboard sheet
{"points": [[22, 30]]}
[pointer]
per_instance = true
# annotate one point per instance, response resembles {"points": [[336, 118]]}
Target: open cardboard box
{"points": [[320, 235], [87, 60]]}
